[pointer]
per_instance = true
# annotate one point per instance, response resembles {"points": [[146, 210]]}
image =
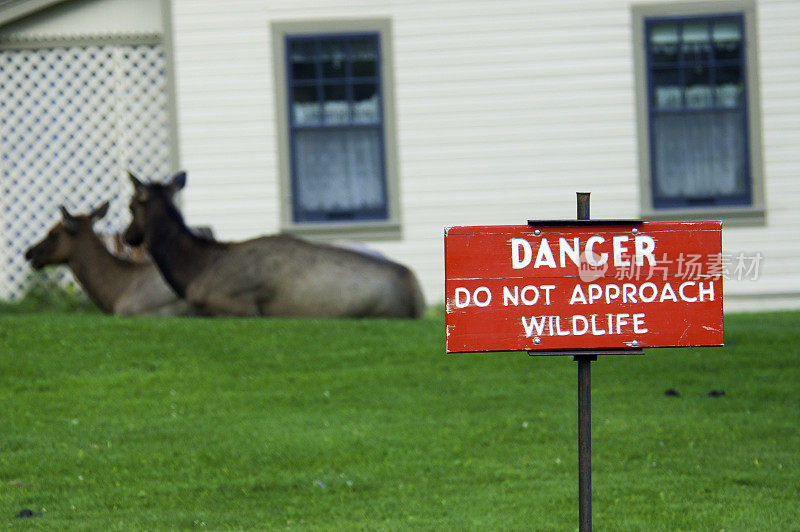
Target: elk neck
{"points": [[104, 276], [180, 255]]}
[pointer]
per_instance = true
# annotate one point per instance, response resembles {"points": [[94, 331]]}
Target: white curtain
{"points": [[699, 154], [338, 169]]}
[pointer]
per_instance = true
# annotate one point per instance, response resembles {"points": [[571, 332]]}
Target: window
{"points": [[339, 166], [698, 119], [702, 155], [335, 124]]}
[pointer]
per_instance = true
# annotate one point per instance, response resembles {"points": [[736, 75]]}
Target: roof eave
{"points": [[11, 10]]}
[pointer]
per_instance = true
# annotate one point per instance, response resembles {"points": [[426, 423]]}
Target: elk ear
{"points": [[178, 181], [137, 183], [140, 191], [99, 212], [69, 221]]}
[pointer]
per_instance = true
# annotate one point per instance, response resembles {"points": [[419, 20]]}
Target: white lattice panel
{"points": [[73, 120]]}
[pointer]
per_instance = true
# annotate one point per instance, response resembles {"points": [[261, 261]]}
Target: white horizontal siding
{"points": [[504, 109], [779, 49]]}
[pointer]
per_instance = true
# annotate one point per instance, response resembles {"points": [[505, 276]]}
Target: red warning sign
{"points": [[583, 286]]}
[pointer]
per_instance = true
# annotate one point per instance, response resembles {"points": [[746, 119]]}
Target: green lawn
{"points": [[157, 424]]}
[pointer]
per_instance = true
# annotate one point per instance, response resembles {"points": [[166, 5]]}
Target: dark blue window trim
{"points": [[680, 65], [319, 85]]}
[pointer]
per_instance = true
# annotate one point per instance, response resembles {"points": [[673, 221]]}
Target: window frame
{"points": [[359, 228], [752, 210]]}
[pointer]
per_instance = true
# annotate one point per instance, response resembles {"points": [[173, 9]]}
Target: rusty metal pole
{"points": [[583, 205], [584, 415]]}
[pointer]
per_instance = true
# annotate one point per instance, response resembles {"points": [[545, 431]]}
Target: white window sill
{"points": [[361, 231], [730, 215]]}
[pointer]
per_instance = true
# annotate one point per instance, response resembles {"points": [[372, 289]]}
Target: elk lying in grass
{"points": [[116, 285], [277, 275]]}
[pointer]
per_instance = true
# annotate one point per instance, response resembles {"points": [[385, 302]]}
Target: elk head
{"points": [[59, 244], [144, 197]]}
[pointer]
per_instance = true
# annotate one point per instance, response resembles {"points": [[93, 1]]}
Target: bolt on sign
{"points": [[578, 286]]}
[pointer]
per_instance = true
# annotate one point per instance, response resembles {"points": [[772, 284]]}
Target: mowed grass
{"points": [[158, 424]]}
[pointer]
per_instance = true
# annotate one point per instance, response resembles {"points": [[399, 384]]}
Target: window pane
{"points": [[696, 42], [729, 95], [364, 57], [302, 59], [729, 85], [664, 43], [667, 91], [699, 155], [727, 40], [366, 104], [698, 87], [333, 56], [336, 107], [338, 170], [305, 106]]}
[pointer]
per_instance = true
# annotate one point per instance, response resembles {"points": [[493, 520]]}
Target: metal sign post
{"points": [[585, 441], [584, 415], [583, 288]]}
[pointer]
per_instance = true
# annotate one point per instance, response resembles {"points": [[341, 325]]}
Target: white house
{"points": [[384, 121]]}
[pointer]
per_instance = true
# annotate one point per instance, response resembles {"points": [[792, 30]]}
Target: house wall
{"points": [[504, 110]]}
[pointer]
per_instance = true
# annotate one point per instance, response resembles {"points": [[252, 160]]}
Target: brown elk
{"points": [[277, 275], [116, 285]]}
